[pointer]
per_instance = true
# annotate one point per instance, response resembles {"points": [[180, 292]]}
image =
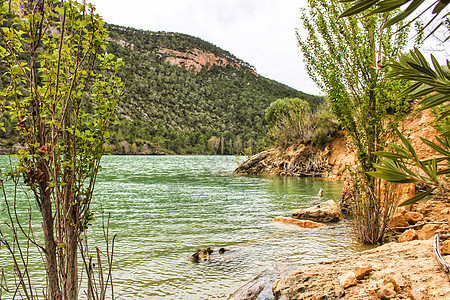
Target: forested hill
{"points": [[183, 95]]}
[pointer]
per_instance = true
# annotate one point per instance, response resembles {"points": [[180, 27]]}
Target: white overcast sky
{"points": [[260, 32]]}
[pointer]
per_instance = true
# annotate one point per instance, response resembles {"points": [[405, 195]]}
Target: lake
{"points": [[164, 208]]}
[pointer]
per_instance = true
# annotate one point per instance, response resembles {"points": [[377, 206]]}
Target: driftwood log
{"points": [[260, 287]]}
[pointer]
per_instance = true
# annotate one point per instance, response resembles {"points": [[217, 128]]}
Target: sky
{"points": [[260, 32]]}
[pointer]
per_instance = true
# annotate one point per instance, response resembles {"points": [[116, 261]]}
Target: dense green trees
{"points": [[172, 109], [293, 121]]}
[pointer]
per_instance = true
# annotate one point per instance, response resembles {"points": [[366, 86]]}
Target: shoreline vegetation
{"points": [[370, 103], [391, 269]]}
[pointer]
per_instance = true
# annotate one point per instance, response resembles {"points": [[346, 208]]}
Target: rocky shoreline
{"points": [[404, 268], [394, 271]]}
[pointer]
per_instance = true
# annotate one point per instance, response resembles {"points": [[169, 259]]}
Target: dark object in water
{"points": [[201, 255], [204, 254]]}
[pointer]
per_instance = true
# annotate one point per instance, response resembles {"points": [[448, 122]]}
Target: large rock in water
{"points": [[325, 212], [407, 271]]}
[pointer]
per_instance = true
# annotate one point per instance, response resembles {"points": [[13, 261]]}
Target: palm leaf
{"points": [[417, 197], [412, 7], [390, 155], [359, 6]]}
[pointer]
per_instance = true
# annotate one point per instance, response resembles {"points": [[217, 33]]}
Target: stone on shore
{"points": [[325, 212], [260, 286], [412, 217], [398, 221], [408, 235], [301, 223], [428, 231]]}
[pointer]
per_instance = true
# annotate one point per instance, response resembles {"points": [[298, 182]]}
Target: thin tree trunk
{"points": [[54, 291]]}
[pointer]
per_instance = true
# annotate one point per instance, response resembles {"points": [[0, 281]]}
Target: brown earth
{"points": [[331, 161], [395, 271], [303, 160]]}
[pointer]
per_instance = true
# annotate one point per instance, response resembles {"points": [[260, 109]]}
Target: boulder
{"points": [[412, 217], [261, 286], [362, 272], [445, 250], [347, 280], [301, 223], [427, 231], [398, 221], [325, 212], [387, 291], [201, 255], [408, 235]]}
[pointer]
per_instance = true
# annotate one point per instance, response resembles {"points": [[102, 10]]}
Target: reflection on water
{"points": [[165, 207]]}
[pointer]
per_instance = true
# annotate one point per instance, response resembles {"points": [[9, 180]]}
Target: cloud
{"points": [[260, 32]]}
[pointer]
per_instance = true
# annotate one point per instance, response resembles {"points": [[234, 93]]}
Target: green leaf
{"points": [[359, 6], [443, 172], [417, 197], [391, 177], [390, 155], [436, 147], [407, 144], [412, 7]]}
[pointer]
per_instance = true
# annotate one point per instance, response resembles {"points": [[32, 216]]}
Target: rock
{"points": [[222, 250], [427, 231], [360, 273], [405, 191], [201, 255], [301, 223], [246, 166], [408, 235], [400, 210], [445, 211], [445, 250], [393, 260], [412, 217], [347, 280], [387, 291], [398, 221], [325, 212]]}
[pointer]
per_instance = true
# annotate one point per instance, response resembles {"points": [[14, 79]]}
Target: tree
{"points": [[63, 94], [343, 57], [431, 83], [283, 108]]}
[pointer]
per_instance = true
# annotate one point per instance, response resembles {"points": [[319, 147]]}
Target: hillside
{"points": [[183, 95]]}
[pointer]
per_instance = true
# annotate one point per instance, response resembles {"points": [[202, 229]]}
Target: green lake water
{"points": [[163, 208]]}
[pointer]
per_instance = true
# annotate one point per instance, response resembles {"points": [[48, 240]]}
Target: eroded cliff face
{"points": [[303, 160], [196, 59], [332, 161]]}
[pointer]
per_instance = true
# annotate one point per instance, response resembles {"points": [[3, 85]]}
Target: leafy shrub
{"points": [[291, 121], [285, 108]]}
